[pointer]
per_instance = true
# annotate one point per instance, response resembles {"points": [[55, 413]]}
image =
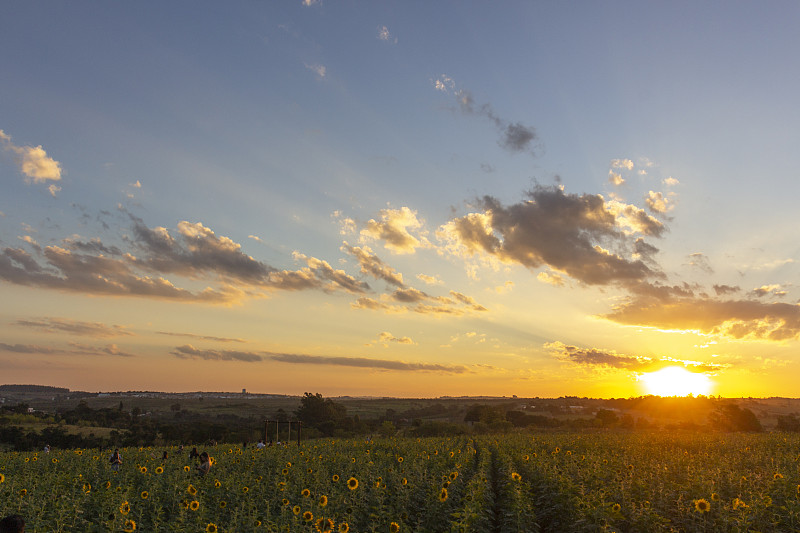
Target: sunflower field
{"points": [[562, 482]]}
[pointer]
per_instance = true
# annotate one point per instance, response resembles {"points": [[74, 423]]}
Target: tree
{"points": [[731, 417], [606, 417], [321, 413], [788, 423]]}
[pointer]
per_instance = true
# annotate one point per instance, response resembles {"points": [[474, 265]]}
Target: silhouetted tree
{"points": [[731, 417]]}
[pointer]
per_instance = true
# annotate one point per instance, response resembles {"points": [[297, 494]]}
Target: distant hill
{"points": [[33, 389]]}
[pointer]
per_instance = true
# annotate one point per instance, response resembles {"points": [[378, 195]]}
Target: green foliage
{"points": [[566, 482]]}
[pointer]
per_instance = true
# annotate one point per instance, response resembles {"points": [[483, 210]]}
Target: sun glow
{"points": [[675, 381]]}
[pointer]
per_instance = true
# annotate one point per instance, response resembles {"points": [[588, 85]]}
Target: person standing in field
{"points": [[205, 464], [115, 460]]}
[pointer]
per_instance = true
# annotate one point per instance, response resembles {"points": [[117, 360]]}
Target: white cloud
{"points": [[670, 181], [550, 279], [444, 83], [385, 35], [658, 203], [429, 280], [53, 190], [33, 161], [318, 69], [622, 163], [615, 178]]}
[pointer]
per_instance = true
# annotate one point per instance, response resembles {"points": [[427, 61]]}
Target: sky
{"points": [[413, 199]]}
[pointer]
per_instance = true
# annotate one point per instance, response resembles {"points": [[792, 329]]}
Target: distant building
{"points": [[244, 391]]}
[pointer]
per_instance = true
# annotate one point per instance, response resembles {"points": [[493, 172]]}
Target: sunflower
{"points": [[394, 527], [129, 526], [145, 495], [323, 500], [285, 471], [324, 525], [400, 459], [159, 470], [288, 465], [616, 508], [453, 476], [194, 505], [404, 481], [2, 478], [310, 471], [335, 478], [515, 476], [305, 493], [738, 504], [526, 458], [107, 485], [223, 504], [702, 506], [285, 501], [777, 476], [23, 492], [211, 528], [185, 468], [191, 490], [217, 483], [344, 527], [245, 490], [55, 460], [143, 469], [87, 487], [125, 508], [443, 495], [296, 510], [714, 497], [308, 516], [352, 483]]}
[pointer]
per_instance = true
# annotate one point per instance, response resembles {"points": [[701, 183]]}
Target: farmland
{"points": [[593, 481]]}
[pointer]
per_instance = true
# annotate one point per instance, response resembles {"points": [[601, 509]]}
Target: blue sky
{"points": [[404, 199]]}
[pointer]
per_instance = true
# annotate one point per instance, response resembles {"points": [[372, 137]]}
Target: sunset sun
{"points": [[676, 381]]}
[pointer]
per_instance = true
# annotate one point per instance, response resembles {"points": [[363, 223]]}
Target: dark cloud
{"points": [[738, 319], [514, 137], [74, 327], [517, 137], [200, 337], [92, 246], [578, 235], [700, 262], [90, 274], [188, 351], [195, 251], [723, 290], [372, 265], [109, 349], [409, 295], [77, 349], [596, 357], [364, 362], [27, 348]]}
